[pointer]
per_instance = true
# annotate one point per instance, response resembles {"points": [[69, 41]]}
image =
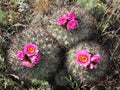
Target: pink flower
{"points": [[26, 64], [20, 55], [95, 58], [83, 58], [71, 16], [30, 49], [35, 59], [62, 20], [73, 24]]}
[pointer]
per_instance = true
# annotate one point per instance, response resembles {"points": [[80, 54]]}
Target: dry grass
{"points": [[109, 24], [41, 6]]}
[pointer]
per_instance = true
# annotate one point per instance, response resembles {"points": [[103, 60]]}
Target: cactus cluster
{"points": [[89, 76], [48, 50], [49, 40], [67, 38]]}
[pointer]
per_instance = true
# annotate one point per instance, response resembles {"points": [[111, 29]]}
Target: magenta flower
{"points": [[20, 55], [83, 58], [62, 20], [95, 58], [30, 49], [35, 59], [26, 64], [73, 24], [71, 16]]}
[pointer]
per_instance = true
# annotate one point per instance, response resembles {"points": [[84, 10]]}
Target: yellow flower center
{"points": [[31, 50], [62, 20], [83, 58]]}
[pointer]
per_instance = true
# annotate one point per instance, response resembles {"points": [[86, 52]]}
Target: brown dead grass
{"points": [[41, 6]]}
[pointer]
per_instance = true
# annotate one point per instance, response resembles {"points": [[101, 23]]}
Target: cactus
{"points": [[60, 78], [48, 50], [90, 75], [67, 38]]}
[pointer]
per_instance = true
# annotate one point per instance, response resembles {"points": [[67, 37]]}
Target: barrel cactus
{"points": [[90, 74], [67, 38], [48, 51], [60, 78]]}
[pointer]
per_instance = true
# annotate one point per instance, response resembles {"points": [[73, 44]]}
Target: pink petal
{"points": [[33, 51], [35, 59], [65, 16], [72, 24], [71, 16], [26, 64], [20, 55], [83, 53], [62, 20], [96, 58]]}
